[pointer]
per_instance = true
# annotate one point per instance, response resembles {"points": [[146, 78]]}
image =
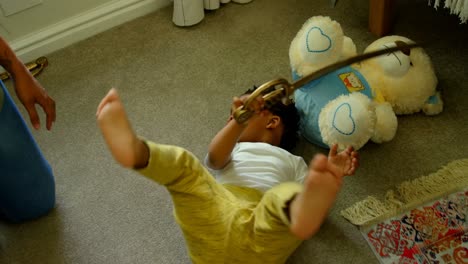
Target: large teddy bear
{"points": [[358, 103]]}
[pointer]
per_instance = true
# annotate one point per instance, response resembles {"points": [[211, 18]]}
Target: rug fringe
{"points": [[409, 194]]}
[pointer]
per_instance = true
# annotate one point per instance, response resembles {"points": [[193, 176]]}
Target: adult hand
{"points": [[30, 92]]}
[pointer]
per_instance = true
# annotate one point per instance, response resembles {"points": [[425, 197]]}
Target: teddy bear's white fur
{"points": [[359, 103]]}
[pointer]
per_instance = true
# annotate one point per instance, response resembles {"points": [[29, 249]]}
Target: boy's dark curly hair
{"points": [[289, 117]]}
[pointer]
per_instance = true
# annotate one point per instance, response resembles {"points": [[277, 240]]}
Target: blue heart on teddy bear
{"points": [[343, 120], [317, 41]]}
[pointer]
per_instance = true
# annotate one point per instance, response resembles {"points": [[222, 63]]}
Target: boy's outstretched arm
{"points": [[221, 146]]}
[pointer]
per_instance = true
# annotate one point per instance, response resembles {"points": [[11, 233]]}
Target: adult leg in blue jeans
{"points": [[27, 187]]}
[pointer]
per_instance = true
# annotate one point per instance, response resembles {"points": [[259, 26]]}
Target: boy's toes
{"points": [[112, 116], [111, 96]]}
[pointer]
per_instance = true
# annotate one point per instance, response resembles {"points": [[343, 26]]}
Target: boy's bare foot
{"points": [[309, 208], [124, 145]]}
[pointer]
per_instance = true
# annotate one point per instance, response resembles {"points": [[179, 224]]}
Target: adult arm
{"points": [[27, 88]]}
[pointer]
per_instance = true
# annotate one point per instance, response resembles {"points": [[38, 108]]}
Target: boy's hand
{"points": [[257, 105], [344, 163]]}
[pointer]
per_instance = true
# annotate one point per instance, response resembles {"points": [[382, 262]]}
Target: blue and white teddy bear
{"points": [[360, 102]]}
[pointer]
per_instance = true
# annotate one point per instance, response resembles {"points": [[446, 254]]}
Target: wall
{"points": [[55, 24]]}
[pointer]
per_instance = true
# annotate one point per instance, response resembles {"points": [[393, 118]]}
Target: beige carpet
{"points": [[177, 84]]}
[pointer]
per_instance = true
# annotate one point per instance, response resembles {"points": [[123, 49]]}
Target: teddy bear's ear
{"points": [[349, 48]]}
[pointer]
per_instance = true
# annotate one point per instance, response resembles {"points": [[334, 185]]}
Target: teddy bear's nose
{"points": [[404, 47]]}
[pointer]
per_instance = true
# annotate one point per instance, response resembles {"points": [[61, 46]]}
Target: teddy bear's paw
{"points": [[318, 43], [386, 123], [348, 120], [434, 105]]}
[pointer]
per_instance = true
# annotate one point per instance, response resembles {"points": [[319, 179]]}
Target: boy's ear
{"points": [[273, 122]]}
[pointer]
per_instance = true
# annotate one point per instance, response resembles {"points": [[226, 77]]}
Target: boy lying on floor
{"points": [[264, 201]]}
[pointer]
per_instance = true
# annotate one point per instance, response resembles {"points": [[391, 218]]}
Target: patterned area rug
{"points": [[425, 221]]}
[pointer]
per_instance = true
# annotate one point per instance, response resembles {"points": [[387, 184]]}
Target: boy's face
{"points": [[257, 128]]}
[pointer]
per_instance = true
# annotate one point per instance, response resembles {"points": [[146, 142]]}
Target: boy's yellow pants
{"points": [[223, 223]]}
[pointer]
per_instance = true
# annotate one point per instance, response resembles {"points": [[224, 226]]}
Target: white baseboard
{"points": [[85, 25]]}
